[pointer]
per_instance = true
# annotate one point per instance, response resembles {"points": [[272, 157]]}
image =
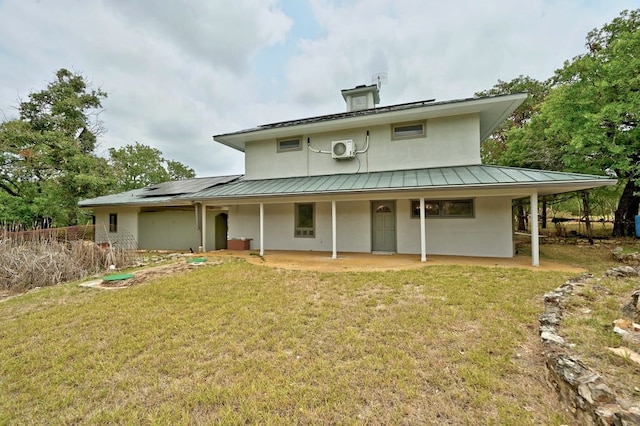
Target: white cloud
{"points": [[179, 72]]}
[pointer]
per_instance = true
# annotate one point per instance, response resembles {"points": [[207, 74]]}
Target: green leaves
{"points": [[588, 121], [494, 147], [136, 166], [47, 159]]}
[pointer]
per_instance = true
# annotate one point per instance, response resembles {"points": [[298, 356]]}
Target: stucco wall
{"points": [[451, 141], [127, 224], [489, 233], [171, 230]]}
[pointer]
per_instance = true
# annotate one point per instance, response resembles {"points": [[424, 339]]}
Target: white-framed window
{"points": [[289, 144], [409, 130], [113, 222], [443, 208], [305, 220]]}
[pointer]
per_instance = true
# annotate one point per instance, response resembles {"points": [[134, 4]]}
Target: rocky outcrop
{"points": [[590, 399]]}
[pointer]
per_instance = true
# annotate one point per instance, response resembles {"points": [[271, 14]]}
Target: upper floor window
{"points": [[305, 220], [113, 222], [290, 144], [408, 130], [443, 208]]}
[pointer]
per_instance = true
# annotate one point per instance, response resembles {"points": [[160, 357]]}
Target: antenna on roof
{"points": [[379, 79]]}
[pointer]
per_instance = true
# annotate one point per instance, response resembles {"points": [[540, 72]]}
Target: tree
{"points": [[588, 120], [136, 166], [47, 159], [595, 108], [493, 147]]}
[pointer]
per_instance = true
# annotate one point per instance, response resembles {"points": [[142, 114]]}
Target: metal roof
{"points": [[163, 193], [185, 186], [417, 179], [442, 178]]}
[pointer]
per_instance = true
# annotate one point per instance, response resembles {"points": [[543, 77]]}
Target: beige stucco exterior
{"points": [[489, 233], [156, 229], [127, 231], [449, 141]]}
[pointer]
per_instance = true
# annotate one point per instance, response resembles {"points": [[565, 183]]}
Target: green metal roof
{"points": [[420, 179], [441, 178]]}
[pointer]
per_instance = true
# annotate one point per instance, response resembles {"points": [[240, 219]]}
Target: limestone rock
{"points": [[550, 337], [631, 309], [622, 272]]}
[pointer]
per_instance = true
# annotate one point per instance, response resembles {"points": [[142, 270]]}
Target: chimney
{"points": [[361, 97]]}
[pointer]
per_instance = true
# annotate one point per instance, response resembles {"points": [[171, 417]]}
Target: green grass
{"points": [[238, 343]]}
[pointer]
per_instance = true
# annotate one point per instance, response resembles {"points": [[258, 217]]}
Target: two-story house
{"points": [[403, 178]]}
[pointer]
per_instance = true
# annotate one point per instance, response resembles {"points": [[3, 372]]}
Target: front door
{"points": [[383, 224], [221, 231]]}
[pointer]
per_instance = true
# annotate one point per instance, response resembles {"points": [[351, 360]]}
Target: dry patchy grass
{"points": [[239, 343], [588, 324]]}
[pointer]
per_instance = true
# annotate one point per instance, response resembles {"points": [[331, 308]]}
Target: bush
{"points": [[26, 264]]}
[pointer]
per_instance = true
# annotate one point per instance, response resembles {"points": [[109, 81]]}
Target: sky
{"points": [[178, 72]]}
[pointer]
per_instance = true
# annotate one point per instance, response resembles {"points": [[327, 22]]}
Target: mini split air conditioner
{"points": [[342, 150]]}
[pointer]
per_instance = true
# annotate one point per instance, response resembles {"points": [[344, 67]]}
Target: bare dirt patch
{"points": [[150, 273], [322, 261]]}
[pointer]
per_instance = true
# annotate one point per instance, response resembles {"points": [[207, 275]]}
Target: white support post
{"points": [[423, 238], [203, 207], [334, 232], [535, 240], [261, 229]]}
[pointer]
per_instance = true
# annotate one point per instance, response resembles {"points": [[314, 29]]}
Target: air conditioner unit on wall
{"points": [[342, 150]]}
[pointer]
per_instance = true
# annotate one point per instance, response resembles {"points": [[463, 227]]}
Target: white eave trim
{"points": [[480, 106]]}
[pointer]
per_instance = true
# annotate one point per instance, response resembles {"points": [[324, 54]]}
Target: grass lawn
{"points": [[239, 343]]}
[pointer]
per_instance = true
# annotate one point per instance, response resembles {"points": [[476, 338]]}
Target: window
{"points": [[443, 208], [408, 130], [292, 144], [305, 220], [113, 222]]}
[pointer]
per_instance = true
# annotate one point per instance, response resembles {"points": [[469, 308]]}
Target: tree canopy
{"points": [[48, 160], [493, 148], [588, 120], [136, 166]]}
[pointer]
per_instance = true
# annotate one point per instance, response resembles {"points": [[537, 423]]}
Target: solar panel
{"points": [[185, 186]]}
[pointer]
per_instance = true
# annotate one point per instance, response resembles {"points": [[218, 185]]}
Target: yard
{"points": [[244, 343]]}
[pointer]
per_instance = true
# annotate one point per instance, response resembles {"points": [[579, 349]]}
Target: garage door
{"points": [[168, 230]]}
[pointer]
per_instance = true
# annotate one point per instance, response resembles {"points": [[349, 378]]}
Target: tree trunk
{"points": [[624, 219], [522, 225], [587, 215], [544, 213]]}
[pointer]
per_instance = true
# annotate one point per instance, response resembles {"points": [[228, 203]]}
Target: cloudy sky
{"points": [[177, 72]]}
